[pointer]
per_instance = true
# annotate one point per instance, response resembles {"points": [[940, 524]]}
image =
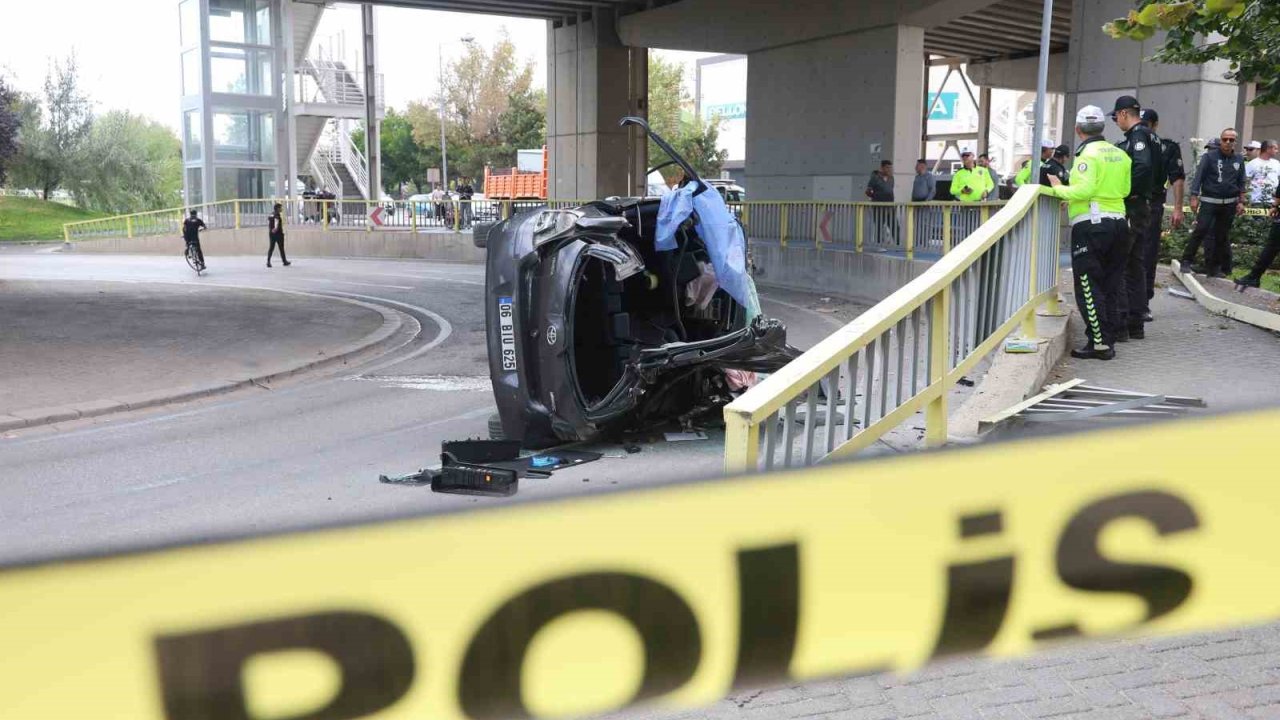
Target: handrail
{"points": [[910, 348], [322, 167]]}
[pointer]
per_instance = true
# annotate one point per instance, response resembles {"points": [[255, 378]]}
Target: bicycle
{"points": [[193, 259]]}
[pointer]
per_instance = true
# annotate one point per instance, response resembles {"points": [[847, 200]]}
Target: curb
{"points": [[1011, 379], [392, 321], [1225, 308]]}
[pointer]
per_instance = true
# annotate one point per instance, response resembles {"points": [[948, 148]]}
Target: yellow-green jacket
{"points": [[1099, 182], [978, 180]]}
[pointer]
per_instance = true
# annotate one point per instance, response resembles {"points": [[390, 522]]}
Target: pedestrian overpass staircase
{"points": [[329, 103]]}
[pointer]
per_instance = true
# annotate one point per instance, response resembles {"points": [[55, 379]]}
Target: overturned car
{"points": [[621, 313]]}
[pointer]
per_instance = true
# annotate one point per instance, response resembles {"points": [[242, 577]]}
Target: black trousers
{"points": [[1151, 250], [1269, 253], [276, 240], [1132, 300], [1097, 263], [1213, 223]]}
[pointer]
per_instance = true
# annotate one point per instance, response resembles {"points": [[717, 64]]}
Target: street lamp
{"points": [[444, 145]]}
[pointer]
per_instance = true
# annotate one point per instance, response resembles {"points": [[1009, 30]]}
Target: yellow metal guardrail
{"points": [[909, 228], [903, 355], [413, 216]]}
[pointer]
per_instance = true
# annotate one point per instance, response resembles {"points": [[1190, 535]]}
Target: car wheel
{"points": [[495, 427]]}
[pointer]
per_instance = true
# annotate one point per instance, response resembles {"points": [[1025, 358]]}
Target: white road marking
{"points": [[439, 383], [352, 282]]}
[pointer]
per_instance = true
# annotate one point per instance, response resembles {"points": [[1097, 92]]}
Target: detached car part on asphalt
{"points": [[591, 328]]}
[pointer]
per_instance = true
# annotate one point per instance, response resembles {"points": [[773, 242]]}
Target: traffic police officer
{"points": [[970, 185], [1143, 149], [1169, 173], [1095, 199]]}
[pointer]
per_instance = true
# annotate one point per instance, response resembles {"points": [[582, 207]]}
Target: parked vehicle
{"points": [[590, 327], [729, 190]]}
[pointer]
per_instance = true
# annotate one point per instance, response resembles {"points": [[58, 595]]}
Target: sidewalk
{"points": [[1189, 351]]}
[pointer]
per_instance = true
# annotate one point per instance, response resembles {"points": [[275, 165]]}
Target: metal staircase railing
{"points": [[322, 169]]}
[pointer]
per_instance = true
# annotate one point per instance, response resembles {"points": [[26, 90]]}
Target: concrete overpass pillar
{"points": [[825, 112], [590, 86], [1193, 100]]}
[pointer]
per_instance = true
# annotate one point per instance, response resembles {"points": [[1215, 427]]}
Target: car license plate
{"points": [[507, 329]]}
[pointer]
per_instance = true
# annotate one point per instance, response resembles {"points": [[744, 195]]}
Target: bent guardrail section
{"points": [[904, 354]]}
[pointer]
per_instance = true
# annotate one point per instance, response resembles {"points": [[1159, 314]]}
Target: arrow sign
{"points": [[822, 226], [375, 216]]}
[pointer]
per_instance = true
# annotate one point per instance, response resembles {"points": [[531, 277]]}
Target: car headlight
{"points": [[551, 223]]}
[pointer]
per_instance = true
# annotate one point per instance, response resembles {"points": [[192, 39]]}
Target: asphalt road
{"points": [[301, 454]]}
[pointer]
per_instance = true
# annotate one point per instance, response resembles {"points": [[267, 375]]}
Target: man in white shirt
{"points": [[1262, 174]]}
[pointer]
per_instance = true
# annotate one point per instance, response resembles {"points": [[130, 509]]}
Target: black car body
{"points": [[589, 329]]}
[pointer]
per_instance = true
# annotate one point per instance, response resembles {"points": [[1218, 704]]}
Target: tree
{"points": [[672, 117], [128, 163], [491, 104], [698, 143], [50, 148], [400, 152], [10, 122], [1242, 32]]}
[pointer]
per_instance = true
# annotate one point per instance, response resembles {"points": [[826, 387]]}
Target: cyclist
{"points": [[191, 228]]}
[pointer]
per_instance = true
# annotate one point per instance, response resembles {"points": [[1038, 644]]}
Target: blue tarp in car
{"points": [[720, 232]]}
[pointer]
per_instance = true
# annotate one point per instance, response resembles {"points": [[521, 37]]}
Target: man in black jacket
{"points": [[465, 192], [191, 228], [275, 234], [1217, 197], [1056, 167], [1143, 148], [1171, 173]]}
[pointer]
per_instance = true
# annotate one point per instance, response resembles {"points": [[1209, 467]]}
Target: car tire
{"points": [[495, 427], [480, 233]]}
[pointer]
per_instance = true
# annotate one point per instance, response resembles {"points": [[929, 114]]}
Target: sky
{"points": [[131, 62]]}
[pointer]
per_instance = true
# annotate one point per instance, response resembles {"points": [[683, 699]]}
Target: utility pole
{"points": [[444, 147], [1042, 82]]}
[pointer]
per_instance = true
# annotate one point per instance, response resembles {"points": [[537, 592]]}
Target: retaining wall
{"points": [[304, 242], [865, 276]]}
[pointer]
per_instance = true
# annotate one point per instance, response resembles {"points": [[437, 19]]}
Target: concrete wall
{"points": [[1193, 100], [866, 276], [818, 107], [1020, 74], [449, 247], [1266, 123]]}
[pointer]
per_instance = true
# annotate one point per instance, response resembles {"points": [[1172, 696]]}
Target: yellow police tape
{"points": [[678, 594], [1251, 211]]}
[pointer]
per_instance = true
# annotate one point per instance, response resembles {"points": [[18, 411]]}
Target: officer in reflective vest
{"points": [[970, 184], [1143, 148], [1099, 232]]}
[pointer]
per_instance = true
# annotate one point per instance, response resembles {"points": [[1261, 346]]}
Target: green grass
{"points": [[30, 219], [1271, 281]]}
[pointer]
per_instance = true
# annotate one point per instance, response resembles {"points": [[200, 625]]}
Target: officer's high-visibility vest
{"points": [[1024, 175], [978, 181], [1099, 182]]}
